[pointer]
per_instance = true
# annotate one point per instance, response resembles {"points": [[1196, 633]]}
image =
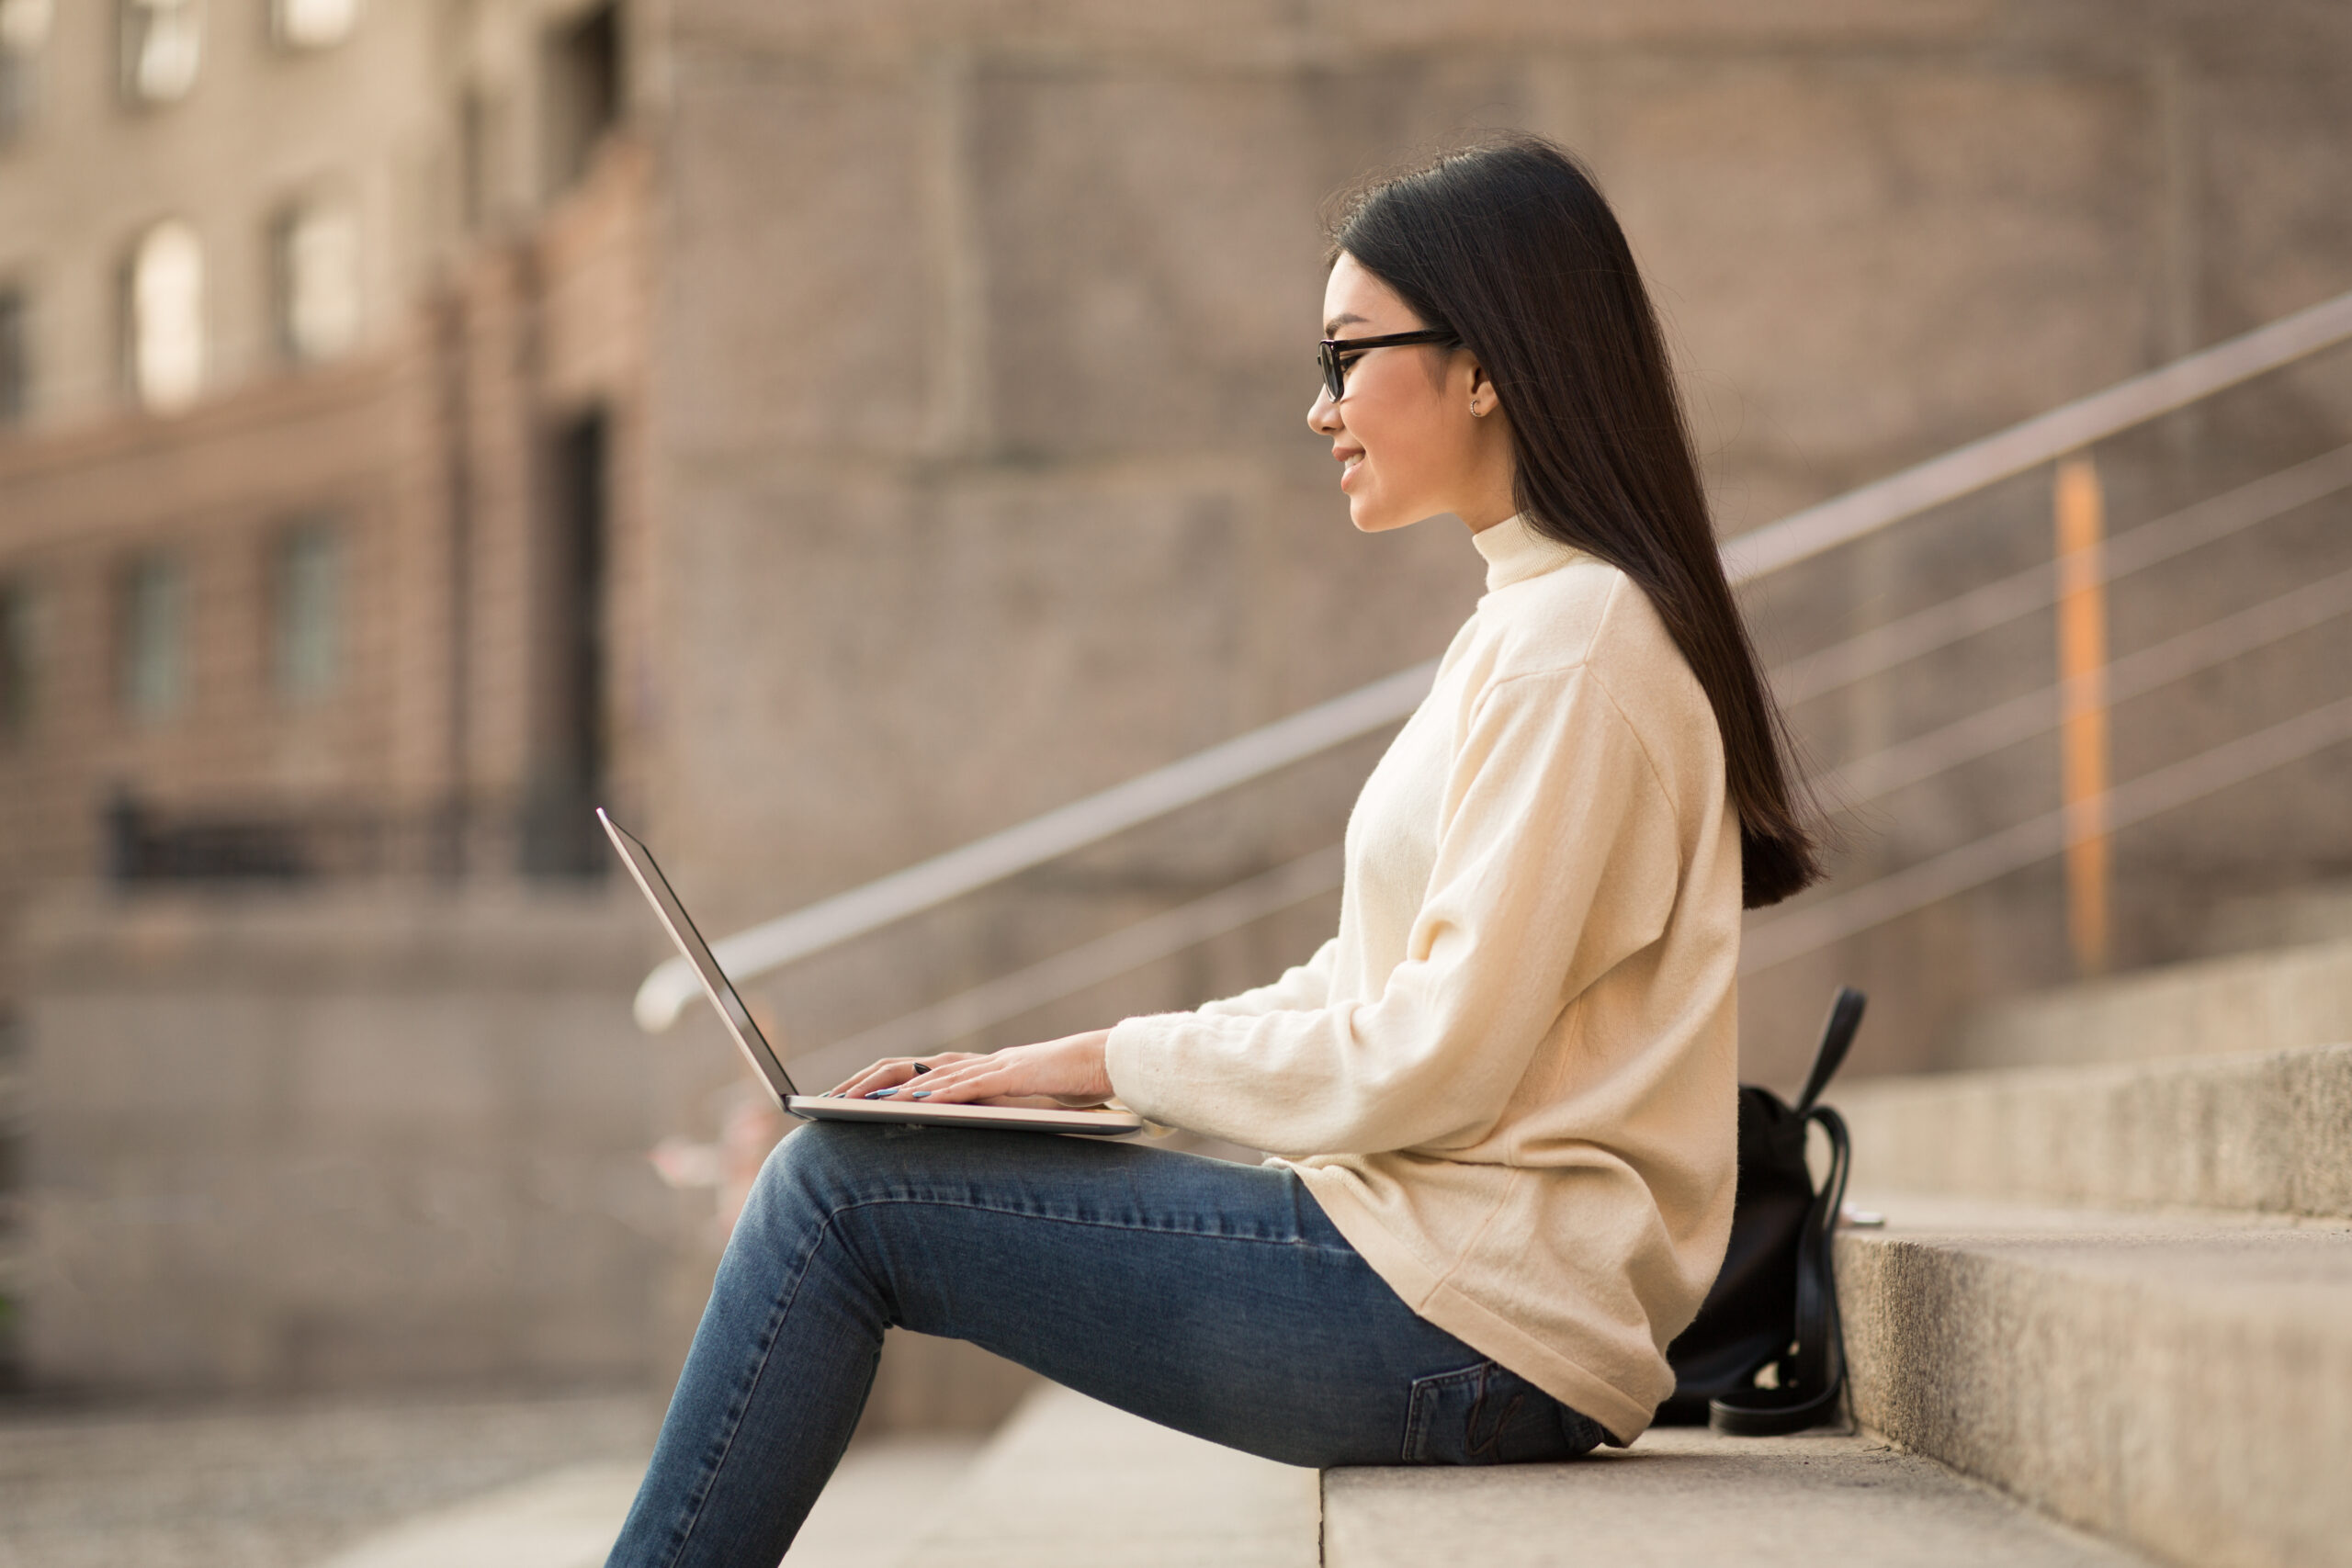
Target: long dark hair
{"points": [[1510, 246]]}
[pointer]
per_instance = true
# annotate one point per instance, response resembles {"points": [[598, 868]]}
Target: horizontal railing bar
{"points": [[1980, 610], [2020, 718], [1777, 940], [1091, 964], [832, 921], [2043, 439]]}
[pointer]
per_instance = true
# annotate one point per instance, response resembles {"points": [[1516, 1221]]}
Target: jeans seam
{"points": [[1343, 1249], [778, 1313]]}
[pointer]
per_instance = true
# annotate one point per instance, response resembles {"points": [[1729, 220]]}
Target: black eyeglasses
{"points": [[1338, 353]]}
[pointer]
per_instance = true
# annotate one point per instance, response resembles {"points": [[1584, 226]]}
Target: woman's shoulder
{"points": [[1588, 616], [1582, 613]]}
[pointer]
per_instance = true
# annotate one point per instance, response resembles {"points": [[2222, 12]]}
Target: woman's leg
{"points": [[1211, 1297]]}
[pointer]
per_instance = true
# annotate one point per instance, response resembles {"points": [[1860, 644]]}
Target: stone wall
{"points": [[329, 1143], [982, 352]]}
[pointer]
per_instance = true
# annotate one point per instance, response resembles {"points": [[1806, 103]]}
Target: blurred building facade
{"points": [[835, 432], [324, 379]]}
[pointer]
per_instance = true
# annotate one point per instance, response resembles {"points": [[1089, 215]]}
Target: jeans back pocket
{"points": [[1487, 1414]]}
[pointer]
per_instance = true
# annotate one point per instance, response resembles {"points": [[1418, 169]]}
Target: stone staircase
{"points": [[2117, 1278], [1071, 1484]]}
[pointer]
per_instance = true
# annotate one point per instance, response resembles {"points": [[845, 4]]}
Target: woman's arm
{"points": [[1301, 988], [1559, 856], [1070, 1071]]}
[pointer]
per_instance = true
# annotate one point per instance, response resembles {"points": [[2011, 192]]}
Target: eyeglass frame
{"points": [[1335, 375]]}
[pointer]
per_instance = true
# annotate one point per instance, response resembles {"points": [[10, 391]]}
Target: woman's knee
{"points": [[817, 1169]]}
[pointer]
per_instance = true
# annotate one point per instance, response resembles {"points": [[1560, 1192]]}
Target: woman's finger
{"points": [[904, 1085], [939, 1081], [894, 1070], [962, 1090], [1023, 1070], [874, 1073]]}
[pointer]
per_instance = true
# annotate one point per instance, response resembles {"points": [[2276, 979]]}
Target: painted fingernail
{"points": [[881, 1093], [920, 1094]]}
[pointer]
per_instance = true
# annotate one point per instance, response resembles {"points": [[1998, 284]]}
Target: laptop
{"points": [[770, 1067]]}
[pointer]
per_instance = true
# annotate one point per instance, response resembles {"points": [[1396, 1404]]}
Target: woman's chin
{"points": [[1372, 518]]}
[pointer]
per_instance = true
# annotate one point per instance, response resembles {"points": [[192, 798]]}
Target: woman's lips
{"points": [[1347, 466]]}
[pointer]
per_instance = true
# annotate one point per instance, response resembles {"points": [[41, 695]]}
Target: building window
{"points": [[571, 745], [24, 30], [154, 620], [583, 91], [163, 317], [317, 246], [163, 44], [23, 643], [15, 357], [313, 24], [307, 600]]}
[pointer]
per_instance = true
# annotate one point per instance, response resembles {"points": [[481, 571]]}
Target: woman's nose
{"points": [[1323, 415]]}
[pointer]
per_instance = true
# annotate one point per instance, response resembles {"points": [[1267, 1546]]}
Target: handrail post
{"points": [[2080, 515]]}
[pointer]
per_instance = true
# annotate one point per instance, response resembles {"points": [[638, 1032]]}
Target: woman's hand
{"points": [[892, 1071], [1071, 1071]]}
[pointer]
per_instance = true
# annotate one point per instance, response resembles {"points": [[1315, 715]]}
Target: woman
{"points": [[1504, 1093]]}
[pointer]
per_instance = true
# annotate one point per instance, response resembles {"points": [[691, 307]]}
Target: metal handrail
{"points": [[832, 921], [2003, 723], [927, 883], [1779, 937], [2044, 438], [1980, 610], [1065, 974]]}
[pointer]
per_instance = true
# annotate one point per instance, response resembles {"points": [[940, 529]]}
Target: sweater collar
{"points": [[1516, 552]]}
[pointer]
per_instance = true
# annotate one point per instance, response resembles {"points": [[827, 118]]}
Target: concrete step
{"points": [[2183, 1384], [2269, 1132], [2279, 1001], [1069, 1483], [1680, 1496]]}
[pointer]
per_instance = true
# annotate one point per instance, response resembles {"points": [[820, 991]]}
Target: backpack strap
{"points": [[1813, 1373], [1836, 1039]]}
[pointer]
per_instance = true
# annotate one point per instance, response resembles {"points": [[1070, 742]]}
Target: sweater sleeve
{"points": [[1557, 857], [1301, 988]]}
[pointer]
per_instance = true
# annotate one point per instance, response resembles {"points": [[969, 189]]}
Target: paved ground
{"points": [[277, 1487], [519, 1483]]}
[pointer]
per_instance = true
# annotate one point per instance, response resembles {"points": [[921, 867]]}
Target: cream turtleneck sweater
{"points": [[1511, 1079]]}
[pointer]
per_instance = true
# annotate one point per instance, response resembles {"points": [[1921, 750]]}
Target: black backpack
{"points": [[1775, 1302]]}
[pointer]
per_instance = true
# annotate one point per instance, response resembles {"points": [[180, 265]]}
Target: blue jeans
{"points": [[1207, 1296]]}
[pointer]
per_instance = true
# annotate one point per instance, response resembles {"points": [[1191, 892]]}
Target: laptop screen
{"points": [[731, 1011]]}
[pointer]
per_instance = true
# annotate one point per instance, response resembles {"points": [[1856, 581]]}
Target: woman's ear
{"points": [[1481, 392]]}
